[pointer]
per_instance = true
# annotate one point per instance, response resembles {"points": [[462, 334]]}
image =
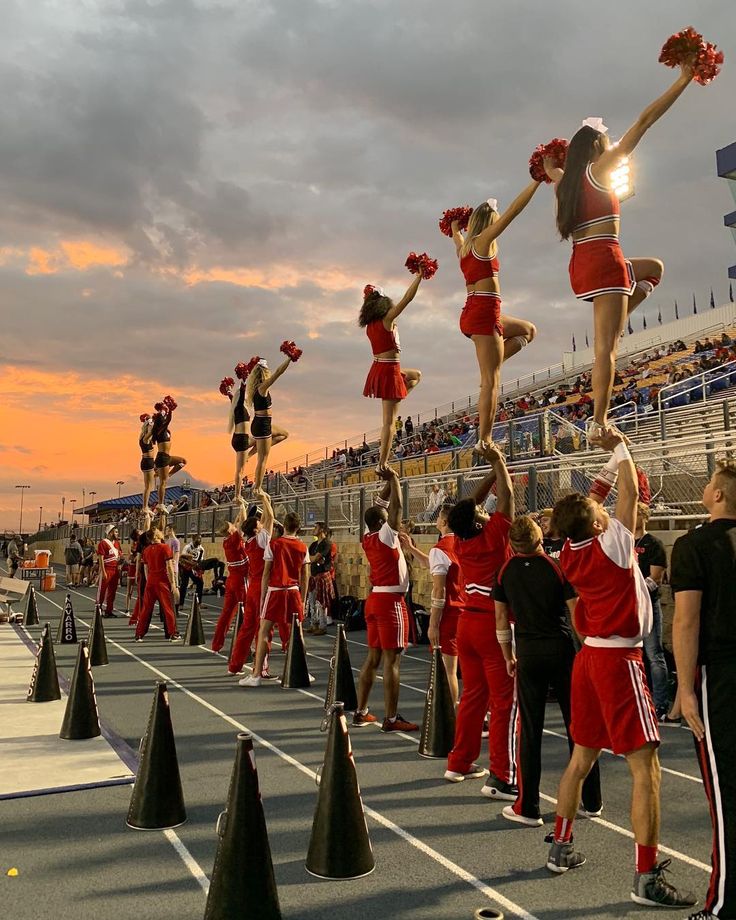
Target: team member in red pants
{"points": [[482, 547], [237, 575], [283, 589], [257, 530], [109, 551], [161, 586], [142, 541]]}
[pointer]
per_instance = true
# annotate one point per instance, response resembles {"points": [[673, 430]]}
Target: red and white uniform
{"points": [[486, 684], [443, 561], [287, 555], [254, 548], [158, 589], [384, 380], [597, 264], [109, 552], [481, 314], [235, 586], [386, 615], [611, 703]]}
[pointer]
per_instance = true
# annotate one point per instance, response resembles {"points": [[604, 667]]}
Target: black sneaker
{"points": [[653, 890], [495, 788], [563, 856]]}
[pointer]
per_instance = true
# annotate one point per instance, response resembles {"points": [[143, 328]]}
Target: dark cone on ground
{"points": [[30, 616], [236, 629], [157, 801], [97, 643], [296, 673], [339, 847], [45, 681], [67, 634], [243, 883], [194, 633], [438, 726], [81, 720], [341, 685]]}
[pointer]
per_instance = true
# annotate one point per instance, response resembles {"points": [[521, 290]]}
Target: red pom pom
{"points": [[145, 417], [421, 264], [368, 290], [290, 350], [226, 386], [461, 215], [158, 406], [556, 149], [251, 364], [241, 371], [688, 45], [170, 403]]}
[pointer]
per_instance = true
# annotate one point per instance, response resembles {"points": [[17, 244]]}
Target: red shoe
{"points": [[361, 719], [399, 725]]}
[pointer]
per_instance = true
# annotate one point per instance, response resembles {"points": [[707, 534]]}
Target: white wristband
{"points": [[503, 635], [621, 453], [438, 603]]}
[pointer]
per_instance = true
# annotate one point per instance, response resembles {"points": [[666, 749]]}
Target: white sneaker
{"points": [[328, 620], [475, 771], [250, 681], [582, 813], [509, 813]]}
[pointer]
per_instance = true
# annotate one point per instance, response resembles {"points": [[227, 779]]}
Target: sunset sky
{"points": [[186, 184]]}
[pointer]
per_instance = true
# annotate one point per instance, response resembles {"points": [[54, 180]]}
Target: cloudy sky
{"points": [[185, 184]]}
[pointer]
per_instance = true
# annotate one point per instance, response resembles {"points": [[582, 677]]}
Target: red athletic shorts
{"points": [[611, 703], [599, 267], [448, 631], [386, 620], [385, 380], [281, 604], [481, 314]]}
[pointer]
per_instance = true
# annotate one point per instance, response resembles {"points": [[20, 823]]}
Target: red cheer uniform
{"points": [[384, 380], [443, 561], [486, 683], [386, 615], [287, 555], [235, 585], [158, 589], [481, 314], [109, 552], [254, 549]]}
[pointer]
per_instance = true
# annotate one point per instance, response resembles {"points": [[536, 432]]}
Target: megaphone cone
{"points": [[236, 630], [45, 680], [157, 801], [296, 673], [438, 726], [67, 634], [30, 616], [339, 847], [341, 684], [194, 633], [97, 643], [243, 882], [80, 717]]}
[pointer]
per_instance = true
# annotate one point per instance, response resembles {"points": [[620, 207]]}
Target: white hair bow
{"points": [[595, 122], [263, 363], [492, 203]]}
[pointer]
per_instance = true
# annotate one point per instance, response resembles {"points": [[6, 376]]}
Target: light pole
{"points": [[92, 494], [40, 512], [20, 525], [72, 502], [63, 502], [84, 503], [119, 483]]}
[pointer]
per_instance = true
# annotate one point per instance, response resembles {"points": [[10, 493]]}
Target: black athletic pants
{"points": [[716, 689], [185, 576], [541, 664]]}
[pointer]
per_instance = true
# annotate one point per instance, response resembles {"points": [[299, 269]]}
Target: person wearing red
{"points": [[109, 551], [161, 586], [386, 380], [482, 548], [257, 530], [386, 615], [236, 584], [611, 704], [144, 538], [283, 589]]}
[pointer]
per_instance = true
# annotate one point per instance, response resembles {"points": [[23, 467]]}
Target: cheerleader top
{"points": [[477, 268], [596, 205], [381, 338]]}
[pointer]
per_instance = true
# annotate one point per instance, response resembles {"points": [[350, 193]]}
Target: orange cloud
{"points": [[272, 278], [68, 255]]}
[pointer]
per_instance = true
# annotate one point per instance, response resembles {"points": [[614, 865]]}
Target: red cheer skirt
{"points": [[481, 314], [599, 267], [385, 380]]}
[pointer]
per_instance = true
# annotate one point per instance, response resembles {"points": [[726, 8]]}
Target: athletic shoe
{"points": [[138, 639], [475, 771], [486, 727], [703, 915], [509, 813], [653, 890], [399, 724], [563, 856], [361, 719], [584, 812], [495, 788], [664, 719], [250, 681], [319, 631], [329, 621], [110, 616], [268, 676], [174, 637], [234, 673]]}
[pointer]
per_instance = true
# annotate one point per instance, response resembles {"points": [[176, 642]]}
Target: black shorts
{"points": [[260, 427], [162, 460], [239, 441], [147, 464]]}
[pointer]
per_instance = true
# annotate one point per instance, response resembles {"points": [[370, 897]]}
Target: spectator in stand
{"points": [[399, 426], [726, 340], [707, 345], [409, 427], [435, 498], [400, 450], [551, 543], [73, 560], [698, 347]]}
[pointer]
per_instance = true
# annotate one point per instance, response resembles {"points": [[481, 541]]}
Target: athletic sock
{"points": [[563, 829], [394, 719], [646, 858]]}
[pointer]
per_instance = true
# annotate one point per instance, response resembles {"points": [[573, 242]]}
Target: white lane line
{"points": [[182, 852]]}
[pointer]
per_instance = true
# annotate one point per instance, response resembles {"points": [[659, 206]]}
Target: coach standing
{"points": [[704, 634]]}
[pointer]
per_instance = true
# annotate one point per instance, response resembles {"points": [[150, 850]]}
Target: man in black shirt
{"points": [[532, 586], [652, 559], [551, 544], [320, 558], [704, 634]]}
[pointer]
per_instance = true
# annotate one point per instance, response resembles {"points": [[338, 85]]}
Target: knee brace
{"points": [[647, 285]]}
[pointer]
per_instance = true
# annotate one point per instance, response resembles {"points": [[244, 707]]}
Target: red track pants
{"points": [[156, 591], [235, 589], [108, 586]]}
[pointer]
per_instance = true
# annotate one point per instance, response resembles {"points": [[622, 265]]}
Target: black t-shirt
{"points": [[650, 551], [552, 547], [705, 560], [324, 547], [536, 591]]}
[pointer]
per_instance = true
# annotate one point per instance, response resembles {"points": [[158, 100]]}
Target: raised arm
{"points": [[483, 489], [399, 307], [241, 513], [555, 173], [267, 384], [267, 520], [504, 485], [457, 236], [394, 501], [628, 482], [487, 236]]}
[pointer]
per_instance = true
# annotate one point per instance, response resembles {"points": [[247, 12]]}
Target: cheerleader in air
{"points": [[148, 450], [496, 336], [165, 465], [588, 213], [238, 419], [258, 397], [387, 380]]}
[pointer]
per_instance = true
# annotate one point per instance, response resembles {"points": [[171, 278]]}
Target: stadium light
{"points": [[22, 492], [622, 181], [119, 484]]}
